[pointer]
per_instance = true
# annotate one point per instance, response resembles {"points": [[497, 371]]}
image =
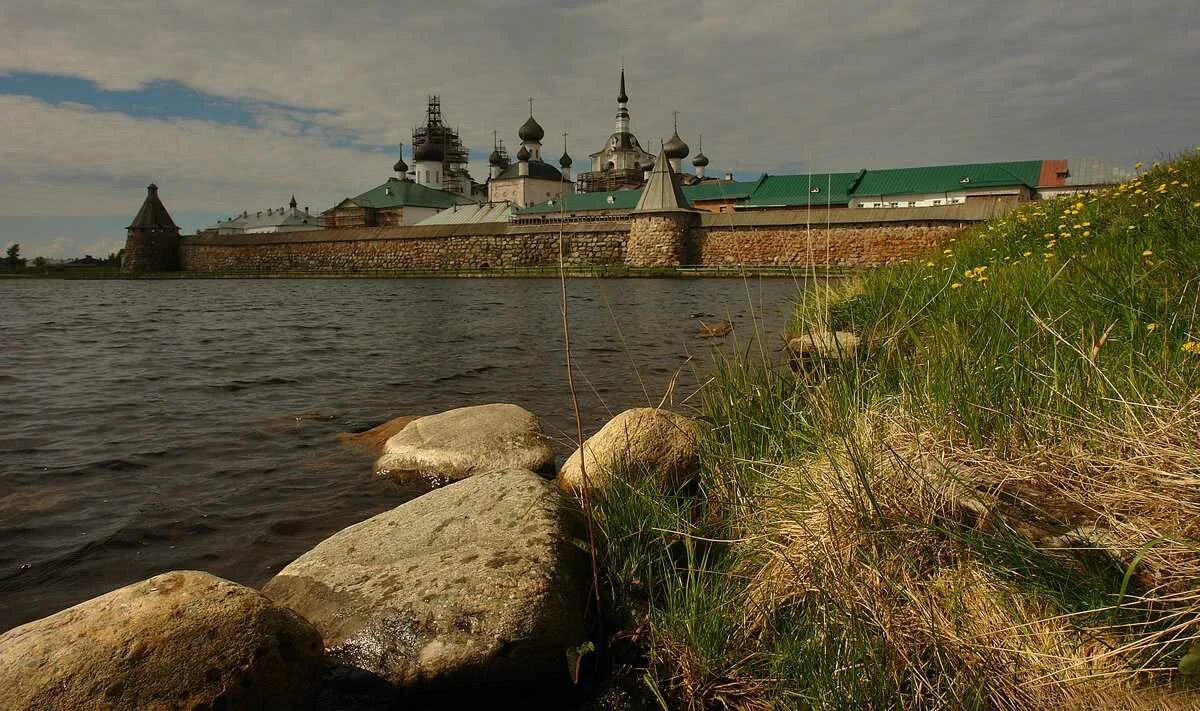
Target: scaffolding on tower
{"points": [[455, 176]]}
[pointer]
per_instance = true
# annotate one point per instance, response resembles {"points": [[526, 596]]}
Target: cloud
{"points": [[778, 85]]}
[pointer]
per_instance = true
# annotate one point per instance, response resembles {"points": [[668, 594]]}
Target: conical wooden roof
{"points": [[662, 193], [153, 214]]}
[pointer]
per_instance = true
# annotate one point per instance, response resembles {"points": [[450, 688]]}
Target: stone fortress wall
{"points": [[842, 238]]}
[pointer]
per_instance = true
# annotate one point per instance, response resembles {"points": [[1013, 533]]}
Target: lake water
{"points": [[192, 424]]}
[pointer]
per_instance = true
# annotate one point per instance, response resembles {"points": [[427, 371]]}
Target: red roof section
{"points": [[1054, 172]]}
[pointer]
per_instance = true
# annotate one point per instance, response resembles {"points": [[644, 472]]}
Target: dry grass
{"points": [[998, 582]]}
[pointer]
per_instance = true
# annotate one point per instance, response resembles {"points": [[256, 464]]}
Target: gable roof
{"points": [[817, 189], [152, 215], [403, 193], [662, 193], [501, 211], [948, 178], [291, 217]]}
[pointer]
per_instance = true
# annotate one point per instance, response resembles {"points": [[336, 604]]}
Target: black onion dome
{"points": [[400, 167], [565, 160], [676, 148], [531, 130], [495, 158], [428, 152], [700, 161], [523, 154]]}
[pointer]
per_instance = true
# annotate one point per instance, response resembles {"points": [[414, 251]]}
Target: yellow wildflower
{"points": [[1027, 254], [1146, 253], [1151, 327], [929, 264], [1192, 347], [955, 285]]}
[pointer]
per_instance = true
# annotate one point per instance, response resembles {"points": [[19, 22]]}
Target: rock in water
{"points": [[644, 439], [183, 639], [478, 582], [373, 439], [453, 445]]}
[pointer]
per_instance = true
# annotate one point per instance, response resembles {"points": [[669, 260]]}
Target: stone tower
{"points": [[658, 226], [152, 243]]}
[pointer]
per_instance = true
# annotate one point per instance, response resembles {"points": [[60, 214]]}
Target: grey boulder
{"points": [[479, 582], [182, 639], [642, 440], [438, 449]]}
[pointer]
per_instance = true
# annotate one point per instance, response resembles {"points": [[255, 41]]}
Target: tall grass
{"points": [[994, 504]]}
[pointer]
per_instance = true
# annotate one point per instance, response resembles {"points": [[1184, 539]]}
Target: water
{"points": [[155, 425]]}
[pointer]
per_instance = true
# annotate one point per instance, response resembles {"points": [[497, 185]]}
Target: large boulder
{"points": [[178, 640], [643, 439], [438, 449], [478, 582]]}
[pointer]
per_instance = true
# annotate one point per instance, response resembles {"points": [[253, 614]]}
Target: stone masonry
{"points": [[646, 240], [658, 239]]}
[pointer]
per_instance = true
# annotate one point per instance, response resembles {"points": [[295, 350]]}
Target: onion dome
{"points": [[675, 147], [428, 152], [523, 154], [495, 158], [700, 161], [400, 167], [531, 130], [564, 161]]}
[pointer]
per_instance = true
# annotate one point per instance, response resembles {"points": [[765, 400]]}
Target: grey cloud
{"points": [[774, 85]]}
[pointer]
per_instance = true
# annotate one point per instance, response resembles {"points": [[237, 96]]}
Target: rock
{"points": [[373, 439], [453, 445], [644, 438], [724, 328], [478, 582], [803, 350], [182, 639]]}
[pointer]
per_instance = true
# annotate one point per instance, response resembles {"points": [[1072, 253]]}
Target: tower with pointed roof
{"points": [[621, 163], [660, 224], [152, 239]]}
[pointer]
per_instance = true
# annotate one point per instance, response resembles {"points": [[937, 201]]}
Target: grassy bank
{"points": [[995, 503]]}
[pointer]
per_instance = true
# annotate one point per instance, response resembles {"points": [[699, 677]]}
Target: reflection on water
{"points": [[157, 425]]}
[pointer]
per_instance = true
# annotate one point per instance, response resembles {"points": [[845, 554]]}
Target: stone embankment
{"points": [[479, 587]]}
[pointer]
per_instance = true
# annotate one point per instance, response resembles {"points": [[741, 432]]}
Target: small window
{"points": [[964, 180], [814, 189], [610, 199]]}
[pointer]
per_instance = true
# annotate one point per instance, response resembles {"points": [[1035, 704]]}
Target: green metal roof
{"points": [[819, 189], [816, 189], [948, 178], [628, 199], [402, 193]]}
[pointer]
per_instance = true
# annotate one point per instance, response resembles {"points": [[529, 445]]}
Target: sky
{"points": [[232, 106]]}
